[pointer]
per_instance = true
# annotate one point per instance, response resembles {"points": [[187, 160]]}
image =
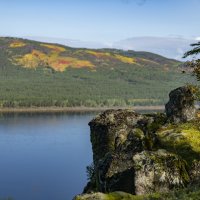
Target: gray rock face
{"points": [[142, 173], [195, 173], [127, 157], [158, 171], [110, 130], [180, 107]]}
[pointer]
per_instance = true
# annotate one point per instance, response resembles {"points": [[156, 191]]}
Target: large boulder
{"points": [[159, 171], [180, 107], [123, 130], [127, 156], [142, 173], [110, 129]]}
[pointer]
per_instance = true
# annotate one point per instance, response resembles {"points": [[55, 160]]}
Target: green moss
{"points": [[190, 193], [182, 139], [148, 142], [183, 170], [159, 120], [126, 196], [138, 133]]}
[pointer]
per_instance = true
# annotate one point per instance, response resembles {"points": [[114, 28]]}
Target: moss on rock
{"points": [[182, 139], [190, 193], [117, 196], [159, 171]]}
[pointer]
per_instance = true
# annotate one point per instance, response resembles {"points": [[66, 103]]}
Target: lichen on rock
{"points": [[110, 130], [195, 173], [159, 171]]}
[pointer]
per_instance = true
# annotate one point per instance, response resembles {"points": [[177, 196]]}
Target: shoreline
{"points": [[74, 109]]}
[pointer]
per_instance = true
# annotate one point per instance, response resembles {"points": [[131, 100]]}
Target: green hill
{"points": [[40, 74]]}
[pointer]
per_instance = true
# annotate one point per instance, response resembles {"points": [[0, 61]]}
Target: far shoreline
{"points": [[75, 109]]}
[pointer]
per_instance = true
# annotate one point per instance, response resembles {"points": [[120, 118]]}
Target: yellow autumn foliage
{"points": [[61, 63], [83, 63], [58, 63], [54, 47], [148, 61], [17, 44], [125, 59], [31, 60], [40, 55], [99, 54], [108, 55]]}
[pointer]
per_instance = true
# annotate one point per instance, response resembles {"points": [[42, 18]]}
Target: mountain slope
{"points": [[41, 74]]}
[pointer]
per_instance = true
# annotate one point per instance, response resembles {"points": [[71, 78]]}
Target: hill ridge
{"points": [[60, 57], [45, 74]]}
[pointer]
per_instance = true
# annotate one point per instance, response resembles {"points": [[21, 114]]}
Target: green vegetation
{"points": [[190, 193], [182, 139], [34, 74]]}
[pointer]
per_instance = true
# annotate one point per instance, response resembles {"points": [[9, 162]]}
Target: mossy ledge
{"points": [[146, 156], [189, 193]]}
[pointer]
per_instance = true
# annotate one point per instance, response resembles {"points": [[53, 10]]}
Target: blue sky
{"points": [[100, 20]]}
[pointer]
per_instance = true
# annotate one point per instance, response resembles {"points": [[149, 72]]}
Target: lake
{"points": [[44, 156]]}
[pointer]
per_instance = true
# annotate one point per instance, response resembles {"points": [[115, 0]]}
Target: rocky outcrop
{"points": [[142, 154], [180, 107], [123, 131], [110, 130], [127, 154]]}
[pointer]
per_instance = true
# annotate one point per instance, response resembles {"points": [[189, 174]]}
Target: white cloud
{"points": [[171, 47], [197, 38]]}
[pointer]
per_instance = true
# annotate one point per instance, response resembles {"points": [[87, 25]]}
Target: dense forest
{"points": [[35, 74]]}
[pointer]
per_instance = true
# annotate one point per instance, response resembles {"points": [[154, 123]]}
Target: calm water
{"points": [[44, 157]]}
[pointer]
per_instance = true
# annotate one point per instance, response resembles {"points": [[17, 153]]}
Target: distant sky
{"points": [[100, 20]]}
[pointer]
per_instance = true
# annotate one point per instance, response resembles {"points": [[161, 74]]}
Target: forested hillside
{"points": [[40, 74]]}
